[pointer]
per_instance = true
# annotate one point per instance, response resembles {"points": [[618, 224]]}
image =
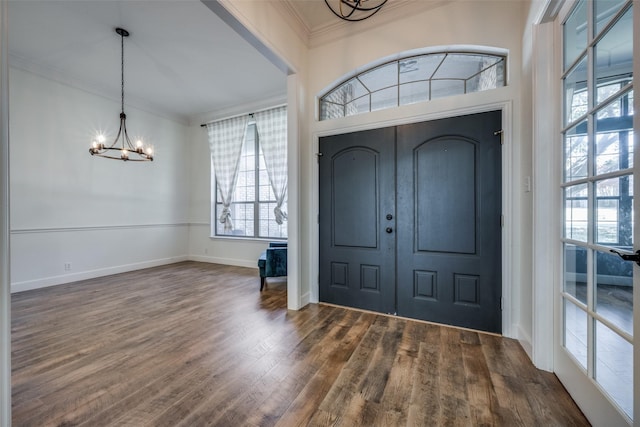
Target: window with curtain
{"points": [[257, 202]]}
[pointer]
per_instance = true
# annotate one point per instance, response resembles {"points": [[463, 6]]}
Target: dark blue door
{"points": [[410, 221]]}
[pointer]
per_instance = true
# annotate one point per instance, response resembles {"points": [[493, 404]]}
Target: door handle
{"points": [[390, 230], [389, 217], [628, 257]]}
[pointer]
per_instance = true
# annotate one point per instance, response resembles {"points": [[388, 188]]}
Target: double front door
{"points": [[410, 220]]}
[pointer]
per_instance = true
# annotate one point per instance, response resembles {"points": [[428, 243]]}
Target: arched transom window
{"points": [[413, 79]]}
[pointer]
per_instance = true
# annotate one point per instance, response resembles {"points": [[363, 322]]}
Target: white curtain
{"points": [[225, 142], [272, 134]]}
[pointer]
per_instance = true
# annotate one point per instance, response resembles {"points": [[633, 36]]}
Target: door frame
{"points": [[508, 205]]}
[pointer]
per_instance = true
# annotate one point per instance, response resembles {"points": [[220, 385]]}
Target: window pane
{"points": [[614, 366], [334, 104], [442, 88], [357, 106], [463, 66], [614, 53], [575, 272], [614, 212], [329, 110], [490, 78], [575, 332], [575, 92], [604, 10], [614, 294], [614, 136], [419, 67], [575, 34], [411, 93], [576, 149], [381, 77], [266, 193], [347, 92], [385, 98], [241, 218], [268, 225], [576, 213]]}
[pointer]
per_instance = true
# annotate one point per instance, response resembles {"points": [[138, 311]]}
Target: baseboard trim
{"points": [[91, 274], [95, 228], [225, 261], [305, 300], [525, 341]]}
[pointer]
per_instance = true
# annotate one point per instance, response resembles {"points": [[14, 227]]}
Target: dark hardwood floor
{"points": [[195, 344]]}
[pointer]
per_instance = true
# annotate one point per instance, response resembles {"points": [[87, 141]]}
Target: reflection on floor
{"points": [[614, 355]]}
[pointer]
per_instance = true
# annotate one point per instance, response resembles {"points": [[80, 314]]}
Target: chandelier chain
{"points": [[122, 71]]}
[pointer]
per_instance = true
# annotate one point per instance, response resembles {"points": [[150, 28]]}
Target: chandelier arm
{"points": [[353, 7], [333, 11], [348, 17], [115, 141], [358, 6], [127, 140]]}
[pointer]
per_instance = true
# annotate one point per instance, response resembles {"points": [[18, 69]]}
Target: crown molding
{"points": [[290, 14], [102, 90], [391, 11]]}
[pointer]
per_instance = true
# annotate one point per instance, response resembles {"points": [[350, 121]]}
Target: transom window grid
{"points": [[253, 200], [598, 194], [414, 79]]}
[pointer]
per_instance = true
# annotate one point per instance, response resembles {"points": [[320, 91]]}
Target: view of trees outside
{"points": [[613, 152]]}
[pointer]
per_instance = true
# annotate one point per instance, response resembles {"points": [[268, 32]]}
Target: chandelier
{"points": [[355, 10], [124, 150]]}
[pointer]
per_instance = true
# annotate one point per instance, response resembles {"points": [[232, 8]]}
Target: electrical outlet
{"points": [[206, 251], [67, 266]]}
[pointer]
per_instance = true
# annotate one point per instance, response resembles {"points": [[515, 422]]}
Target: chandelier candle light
{"points": [[125, 149]]}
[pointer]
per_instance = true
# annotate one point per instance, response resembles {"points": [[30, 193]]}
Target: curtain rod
{"points": [[244, 114]]}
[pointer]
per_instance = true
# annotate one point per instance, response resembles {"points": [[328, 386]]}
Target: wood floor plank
{"points": [[195, 344], [482, 399]]}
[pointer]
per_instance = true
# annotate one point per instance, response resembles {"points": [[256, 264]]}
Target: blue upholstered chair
{"points": [[273, 262]]}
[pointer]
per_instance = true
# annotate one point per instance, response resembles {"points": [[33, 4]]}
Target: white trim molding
{"points": [[545, 203]]}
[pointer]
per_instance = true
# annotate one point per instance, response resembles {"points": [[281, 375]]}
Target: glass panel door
{"points": [[598, 145]]}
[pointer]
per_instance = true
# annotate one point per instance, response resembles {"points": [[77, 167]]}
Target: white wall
{"points": [[100, 215]]}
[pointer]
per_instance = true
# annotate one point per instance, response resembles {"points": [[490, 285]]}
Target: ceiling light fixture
{"points": [[125, 150], [355, 10]]}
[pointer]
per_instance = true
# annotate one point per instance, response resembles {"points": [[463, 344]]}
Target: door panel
{"points": [[357, 254], [445, 220], [449, 231], [355, 213]]}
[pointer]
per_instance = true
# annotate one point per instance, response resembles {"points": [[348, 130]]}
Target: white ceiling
{"points": [[181, 59]]}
